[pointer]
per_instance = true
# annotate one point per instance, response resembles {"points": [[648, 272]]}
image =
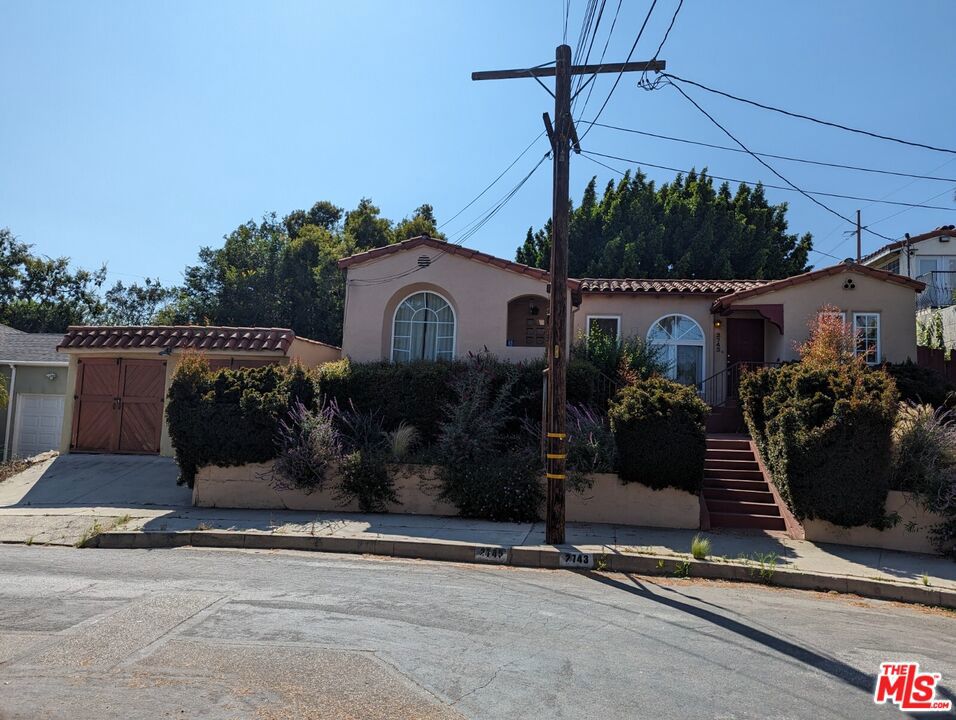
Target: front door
{"points": [[744, 348], [118, 405]]}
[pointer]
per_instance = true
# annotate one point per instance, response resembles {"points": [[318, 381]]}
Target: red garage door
{"points": [[118, 405]]}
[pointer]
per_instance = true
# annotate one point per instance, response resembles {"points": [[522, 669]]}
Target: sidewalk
{"points": [[98, 517]]}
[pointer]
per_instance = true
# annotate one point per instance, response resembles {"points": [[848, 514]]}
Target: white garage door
{"points": [[38, 424]]}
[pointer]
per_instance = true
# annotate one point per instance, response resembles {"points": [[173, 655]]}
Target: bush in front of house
{"points": [[920, 384], [627, 359], [658, 428], [824, 431], [230, 417], [924, 463], [308, 444], [485, 470]]}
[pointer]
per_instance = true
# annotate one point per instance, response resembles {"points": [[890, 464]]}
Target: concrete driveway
{"points": [[67, 499], [121, 481]]}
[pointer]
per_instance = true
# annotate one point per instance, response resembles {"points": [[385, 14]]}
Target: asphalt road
{"points": [[224, 634]]}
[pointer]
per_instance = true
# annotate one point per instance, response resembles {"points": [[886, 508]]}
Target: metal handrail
{"points": [[721, 388], [940, 286]]}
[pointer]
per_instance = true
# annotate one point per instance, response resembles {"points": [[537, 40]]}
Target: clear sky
{"points": [[135, 132]]}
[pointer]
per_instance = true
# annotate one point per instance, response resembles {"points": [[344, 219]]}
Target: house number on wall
{"points": [[716, 342]]}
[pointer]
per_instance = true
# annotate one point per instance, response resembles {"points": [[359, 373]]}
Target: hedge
{"points": [[230, 417], [920, 384], [658, 428], [418, 392], [825, 436]]}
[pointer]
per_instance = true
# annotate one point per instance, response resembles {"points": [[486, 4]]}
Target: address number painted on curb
{"points": [[577, 560], [497, 555]]}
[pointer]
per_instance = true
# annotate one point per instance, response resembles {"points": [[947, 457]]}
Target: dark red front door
{"points": [[744, 341], [744, 349]]}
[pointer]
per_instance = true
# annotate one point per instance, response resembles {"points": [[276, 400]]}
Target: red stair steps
{"points": [[735, 492]]}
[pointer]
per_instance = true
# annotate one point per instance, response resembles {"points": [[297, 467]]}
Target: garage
{"points": [[37, 425], [118, 405], [119, 377]]}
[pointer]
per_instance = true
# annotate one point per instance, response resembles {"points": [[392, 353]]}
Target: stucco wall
{"points": [[478, 292], [30, 380], [639, 311], [899, 537], [909, 261], [313, 354], [895, 303], [608, 501]]}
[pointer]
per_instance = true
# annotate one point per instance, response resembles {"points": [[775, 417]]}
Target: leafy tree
{"points": [[366, 228], [686, 228], [323, 214], [421, 223], [135, 304], [41, 294]]}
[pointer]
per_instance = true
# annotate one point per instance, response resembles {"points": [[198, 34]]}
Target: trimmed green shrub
{"points": [[920, 384], [824, 434], [486, 471], [230, 417], [658, 428]]}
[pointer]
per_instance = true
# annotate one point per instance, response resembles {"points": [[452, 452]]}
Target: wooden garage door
{"points": [[118, 405]]}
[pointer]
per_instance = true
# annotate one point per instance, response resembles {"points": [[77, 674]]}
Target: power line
{"points": [[607, 42], [801, 116], [766, 185], [771, 155], [667, 33], [767, 165], [621, 74], [580, 78], [465, 233]]}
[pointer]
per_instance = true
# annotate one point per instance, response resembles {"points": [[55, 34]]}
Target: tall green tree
{"points": [[135, 304], [687, 228], [41, 294]]}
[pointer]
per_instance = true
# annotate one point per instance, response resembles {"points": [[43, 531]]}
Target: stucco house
{"points": [[35, 377], [427, 299], [930, 258], [118, 377]]}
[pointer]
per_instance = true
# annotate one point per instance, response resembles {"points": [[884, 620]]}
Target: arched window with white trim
{"points": [[423, 328], [681, 341]]}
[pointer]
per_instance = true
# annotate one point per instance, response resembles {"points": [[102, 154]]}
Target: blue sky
{"points": [[134, 133]]}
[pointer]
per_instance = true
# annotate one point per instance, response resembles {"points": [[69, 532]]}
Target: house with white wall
{"points": [[929, 258]]}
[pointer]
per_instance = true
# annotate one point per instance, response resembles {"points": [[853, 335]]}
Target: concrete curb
{"points": [[537, 557]]}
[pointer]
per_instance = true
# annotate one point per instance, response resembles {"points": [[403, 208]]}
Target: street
{"points": [[236, 634]]}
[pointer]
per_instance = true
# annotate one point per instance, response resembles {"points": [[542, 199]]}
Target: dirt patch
{"points": [[13, 467]]}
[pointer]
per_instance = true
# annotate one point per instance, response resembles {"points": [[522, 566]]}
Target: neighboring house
{"points": [[930, 258], [427, 299], [35, 377], [119, 377]]}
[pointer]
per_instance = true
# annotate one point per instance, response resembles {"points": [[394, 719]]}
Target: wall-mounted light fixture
{"points": [[717, 323], [51, 376]]}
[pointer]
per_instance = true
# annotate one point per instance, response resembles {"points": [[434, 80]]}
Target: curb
{"points": [[548, 557]]}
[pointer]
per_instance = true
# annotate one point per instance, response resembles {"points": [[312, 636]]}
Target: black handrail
{"points": [[722, 387]]}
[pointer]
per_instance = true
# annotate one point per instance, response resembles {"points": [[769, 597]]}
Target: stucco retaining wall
{"points": [[607, 501], [895, 538]]}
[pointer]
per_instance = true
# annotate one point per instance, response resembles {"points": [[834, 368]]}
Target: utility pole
{"points": [[563, 137], [859, 236]]}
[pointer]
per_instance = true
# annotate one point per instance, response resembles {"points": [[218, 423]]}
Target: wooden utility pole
{"points": [[859, 237], [563, 137]]}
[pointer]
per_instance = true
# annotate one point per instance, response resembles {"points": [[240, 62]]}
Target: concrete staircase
{"points": [[735, 491]]}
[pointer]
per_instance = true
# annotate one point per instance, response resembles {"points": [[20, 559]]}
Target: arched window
{"points": [[682, 343], [423, 329]]}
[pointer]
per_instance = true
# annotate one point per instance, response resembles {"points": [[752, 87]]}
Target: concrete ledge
{"points": [[540, 557]]}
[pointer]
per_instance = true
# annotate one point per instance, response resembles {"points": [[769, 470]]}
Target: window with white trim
{"points": [[866, 329], [423, 329], [682, 345], [610, 325]]}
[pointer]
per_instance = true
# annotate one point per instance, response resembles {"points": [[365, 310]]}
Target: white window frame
{"points": [[454, 330], [857, 329], [589, 318], [702, 344]]}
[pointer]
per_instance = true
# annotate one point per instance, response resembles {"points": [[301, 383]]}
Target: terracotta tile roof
{"points": [[844, 267], [942, 231], [246, 339], [453, 249], [676, 286]]}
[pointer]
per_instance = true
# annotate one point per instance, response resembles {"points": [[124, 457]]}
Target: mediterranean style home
{"points": [[427, 299], [930, 258]]}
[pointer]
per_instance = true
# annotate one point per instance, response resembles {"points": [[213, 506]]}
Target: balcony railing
{"points": [[940, 285]]}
